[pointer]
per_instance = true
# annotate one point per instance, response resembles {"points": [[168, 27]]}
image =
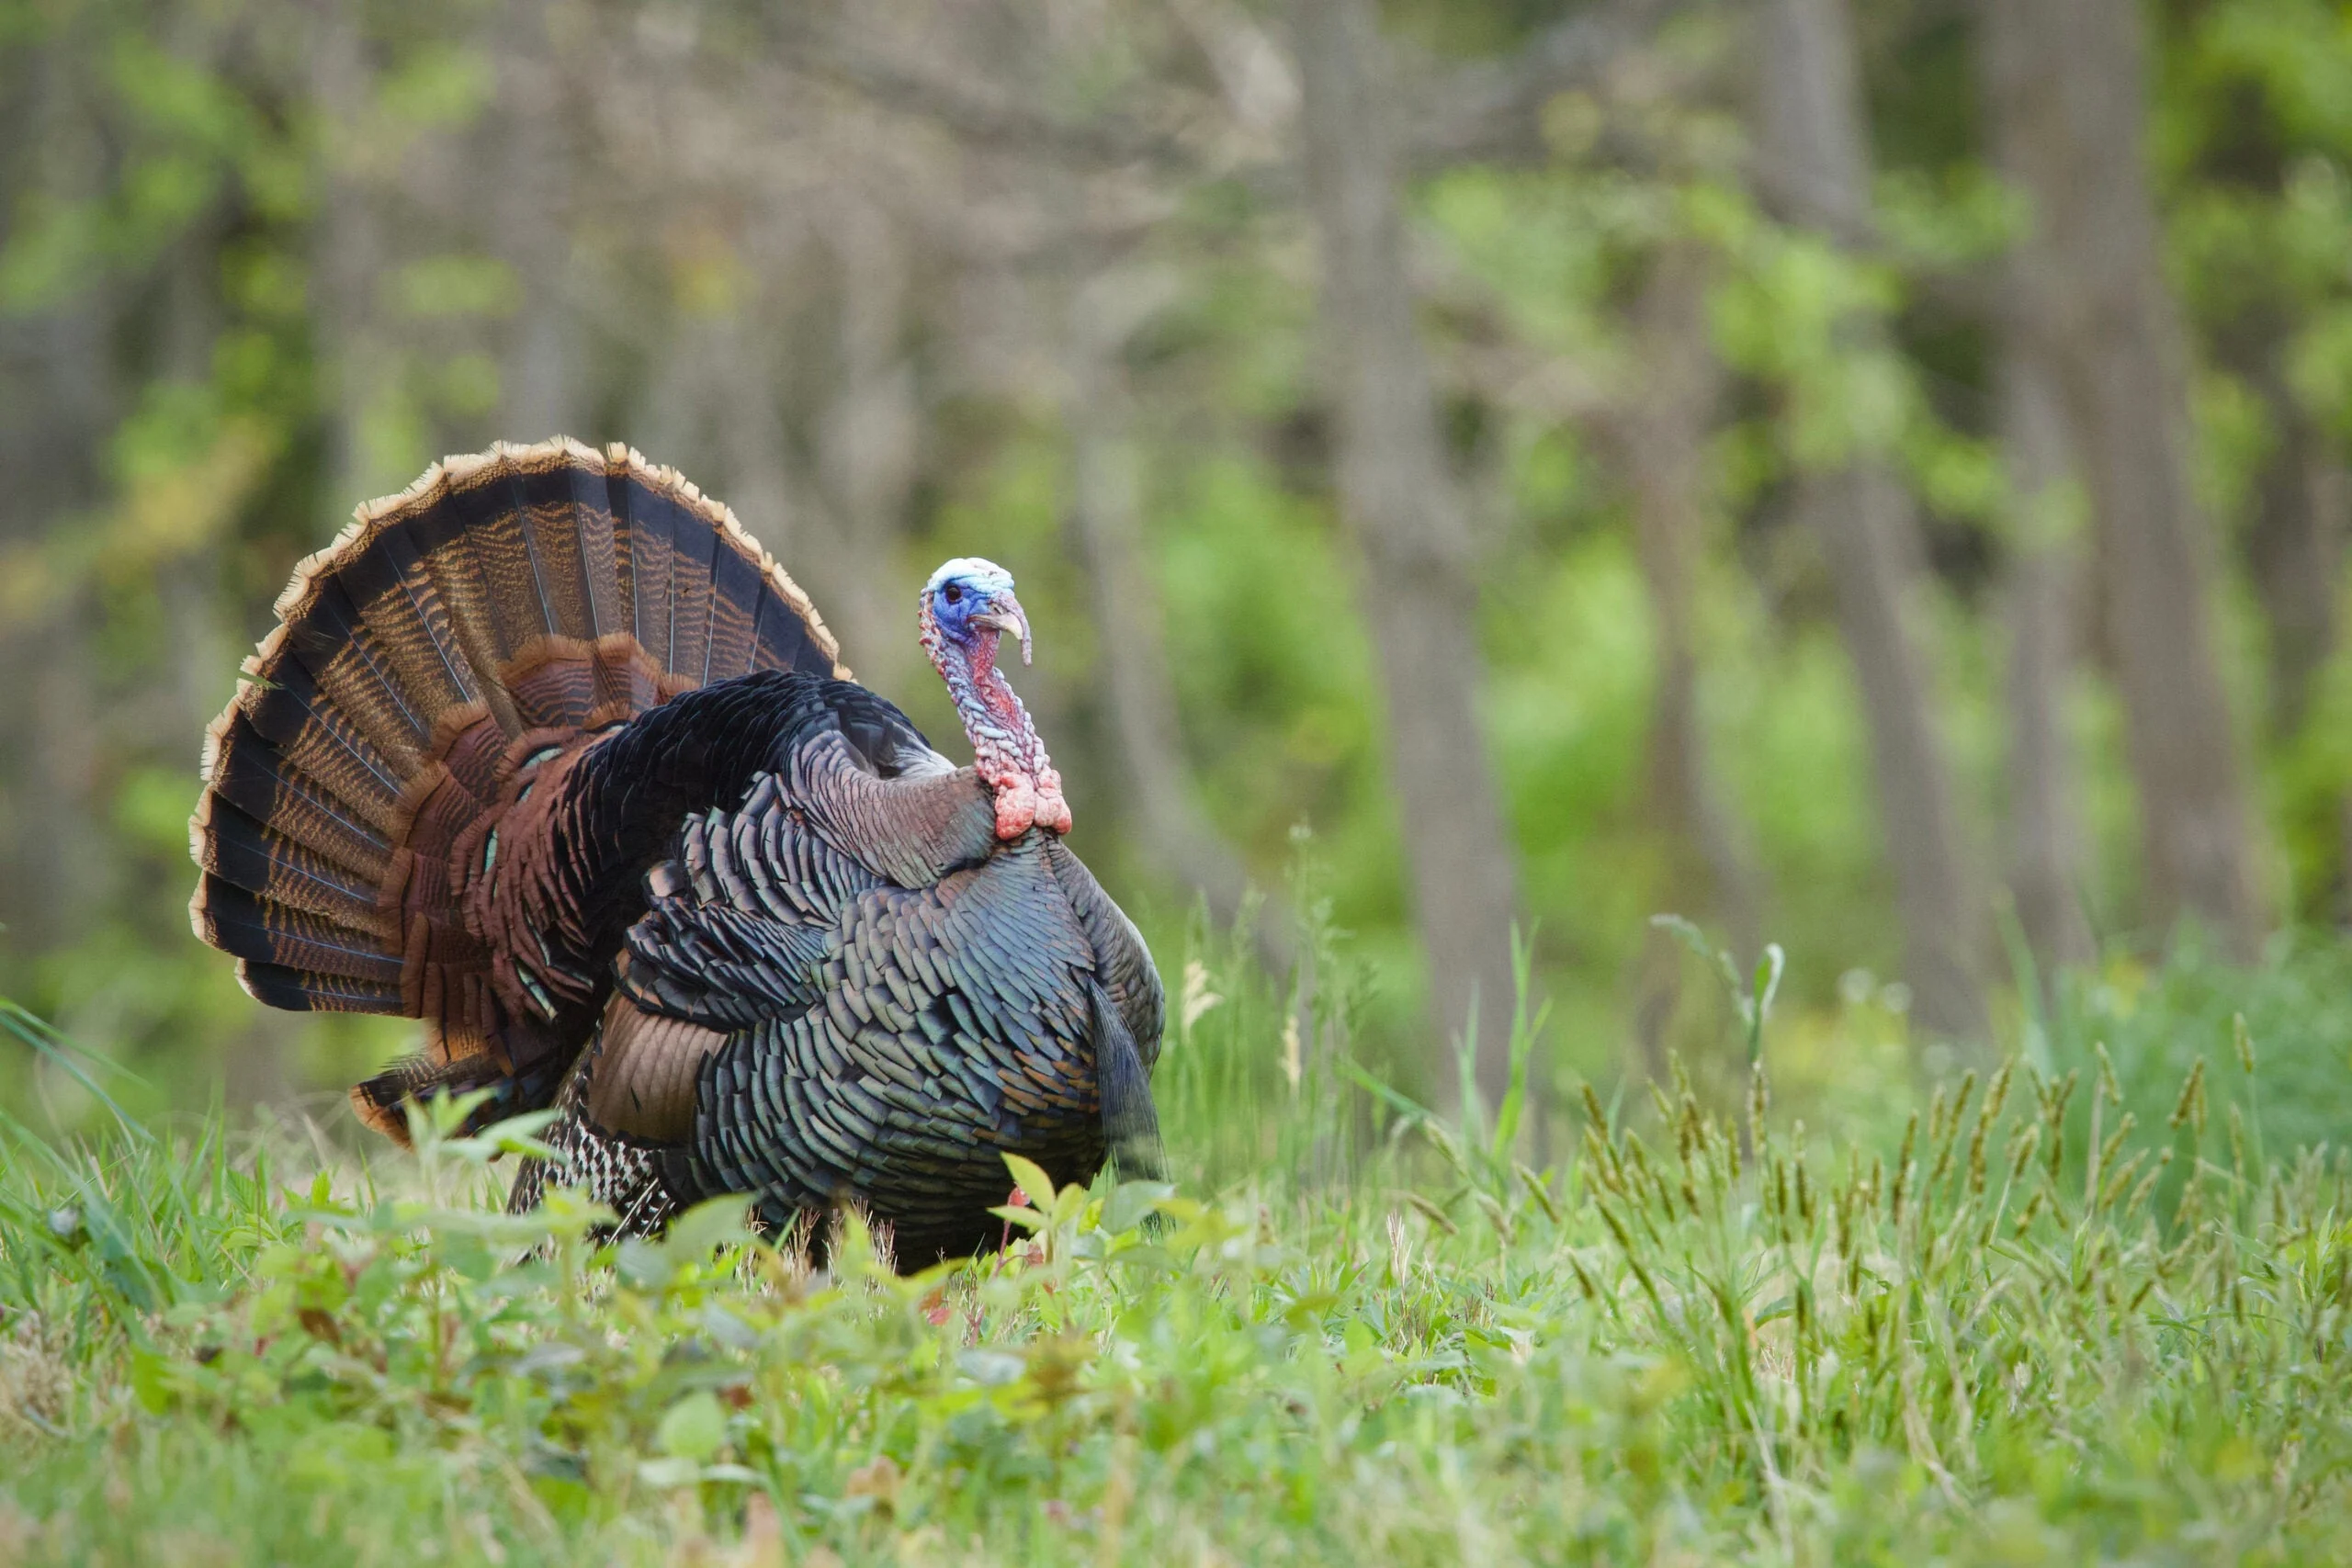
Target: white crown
{"points": [[984, 575]]}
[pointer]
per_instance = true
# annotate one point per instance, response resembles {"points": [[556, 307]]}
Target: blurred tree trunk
{"points": [[2069, 79], [1661, 437], [352, 358], [1664, 440], [2294, 555], [1419, 591], [867, 447], [531, 147], [57, 402], [673, 422], [723, 409], [2296, 546], [719, 403], [1160, 811], [1815, 169], [2041, 598], [2046, 850], [745, 415], [200, 647]]}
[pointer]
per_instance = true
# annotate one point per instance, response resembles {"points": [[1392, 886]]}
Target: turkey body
{"points": [[844, 986], [546, 754]]}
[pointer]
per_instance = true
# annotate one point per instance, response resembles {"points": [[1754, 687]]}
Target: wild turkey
{"points": [[546, 753]]}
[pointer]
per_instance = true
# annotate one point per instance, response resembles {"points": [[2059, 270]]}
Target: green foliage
{"points": [[2147, 1031], [1991, 1345]]}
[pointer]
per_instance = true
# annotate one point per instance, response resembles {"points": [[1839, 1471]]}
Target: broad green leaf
{"points": [[693, 1236], [694, 1428], [1131, 1203], [1035, 1184], [667, 1474]]}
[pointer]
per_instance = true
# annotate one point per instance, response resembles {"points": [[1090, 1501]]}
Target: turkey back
{"points": [[454, 646]]}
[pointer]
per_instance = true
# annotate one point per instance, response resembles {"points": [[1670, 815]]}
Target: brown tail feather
{"points": [[381, 1102], [504, 605]]}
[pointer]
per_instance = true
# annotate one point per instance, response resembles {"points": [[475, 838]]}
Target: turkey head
{"points": [[967, 609]]}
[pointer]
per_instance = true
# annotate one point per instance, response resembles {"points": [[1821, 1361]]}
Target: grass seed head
{"points": [[1902, 1170], [2148, 1183], [2032, 1211], [1584, 1281], [2053, 1116], [1595, 1116], [1539, 1189], [2192, 1099], [2022, 1143], [1997, 1098]]}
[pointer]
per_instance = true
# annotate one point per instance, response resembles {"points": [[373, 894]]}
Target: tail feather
{"points": [[644, 559], [282, 713], [735, 603], [606, 592], [245, 853], [493, 535], [269, 787], [779, 638], [504, 608], [449, 565], [303, 991], [570, 528], [382, 1100], [690, 587], [239, 924], [403, 604], [351, 669]]}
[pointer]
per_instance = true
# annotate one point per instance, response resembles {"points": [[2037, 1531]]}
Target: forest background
{"points": [[1871, 477]]}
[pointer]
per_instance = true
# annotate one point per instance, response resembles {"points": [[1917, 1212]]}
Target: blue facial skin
{"points": [[970, 594], [953, 601]]}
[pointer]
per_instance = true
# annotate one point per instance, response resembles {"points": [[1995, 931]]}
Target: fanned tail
{"points": [[501, 613]]}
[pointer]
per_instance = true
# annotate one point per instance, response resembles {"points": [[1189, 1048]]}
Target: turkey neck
{"points": [[1006, 747]]}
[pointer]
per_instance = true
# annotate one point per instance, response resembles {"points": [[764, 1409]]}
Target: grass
{"points": [[2023, 1330]]}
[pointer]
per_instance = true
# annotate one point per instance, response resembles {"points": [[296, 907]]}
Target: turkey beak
{"points": [[1004, 615]]}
